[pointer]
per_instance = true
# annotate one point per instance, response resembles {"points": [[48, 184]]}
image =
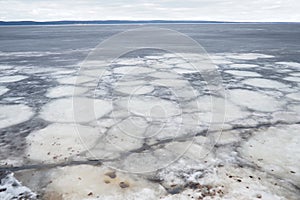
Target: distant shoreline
{"points": [[126, 22]]}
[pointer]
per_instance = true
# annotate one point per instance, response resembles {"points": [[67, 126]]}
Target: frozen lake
{"points": [[144, 126]]}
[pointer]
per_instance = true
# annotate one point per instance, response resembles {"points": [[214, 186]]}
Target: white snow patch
{"points": [[14, 189]]}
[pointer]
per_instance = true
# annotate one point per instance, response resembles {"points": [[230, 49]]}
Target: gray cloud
{"points": [[224, 10]]}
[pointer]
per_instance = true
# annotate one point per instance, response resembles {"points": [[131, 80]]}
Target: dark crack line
{"points": [[49, 166]]}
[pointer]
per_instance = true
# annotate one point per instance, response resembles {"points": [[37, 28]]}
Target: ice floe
{"points": [[248, 56], [294, 79], [290, 64], [6, 67], [125, 138], [65, 91], [254, 100], [99, 182], [208, 106], [242, 66], [171, 83], [294, 96], [135, 90], [264, 83], [133, 70], [243, 73], [3, 90], [295, 108], [129, 61], [14, 114], [295, 74], [10, 79], [221, 62], [131, 83], [151, 107], [185, 71], [62, 110], [72, 80], [276, 151], [165, 75], [60, 142]]}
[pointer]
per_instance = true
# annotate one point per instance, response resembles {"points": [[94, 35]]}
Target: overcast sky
{"points": [[221, 10]]}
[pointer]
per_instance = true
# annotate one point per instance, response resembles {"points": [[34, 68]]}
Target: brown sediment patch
{"points": [[123, 185], [111, 174], [206, 190], [52, 196]]}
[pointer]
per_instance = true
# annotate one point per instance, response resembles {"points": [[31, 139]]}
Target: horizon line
{"points": [[91, 22]]}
